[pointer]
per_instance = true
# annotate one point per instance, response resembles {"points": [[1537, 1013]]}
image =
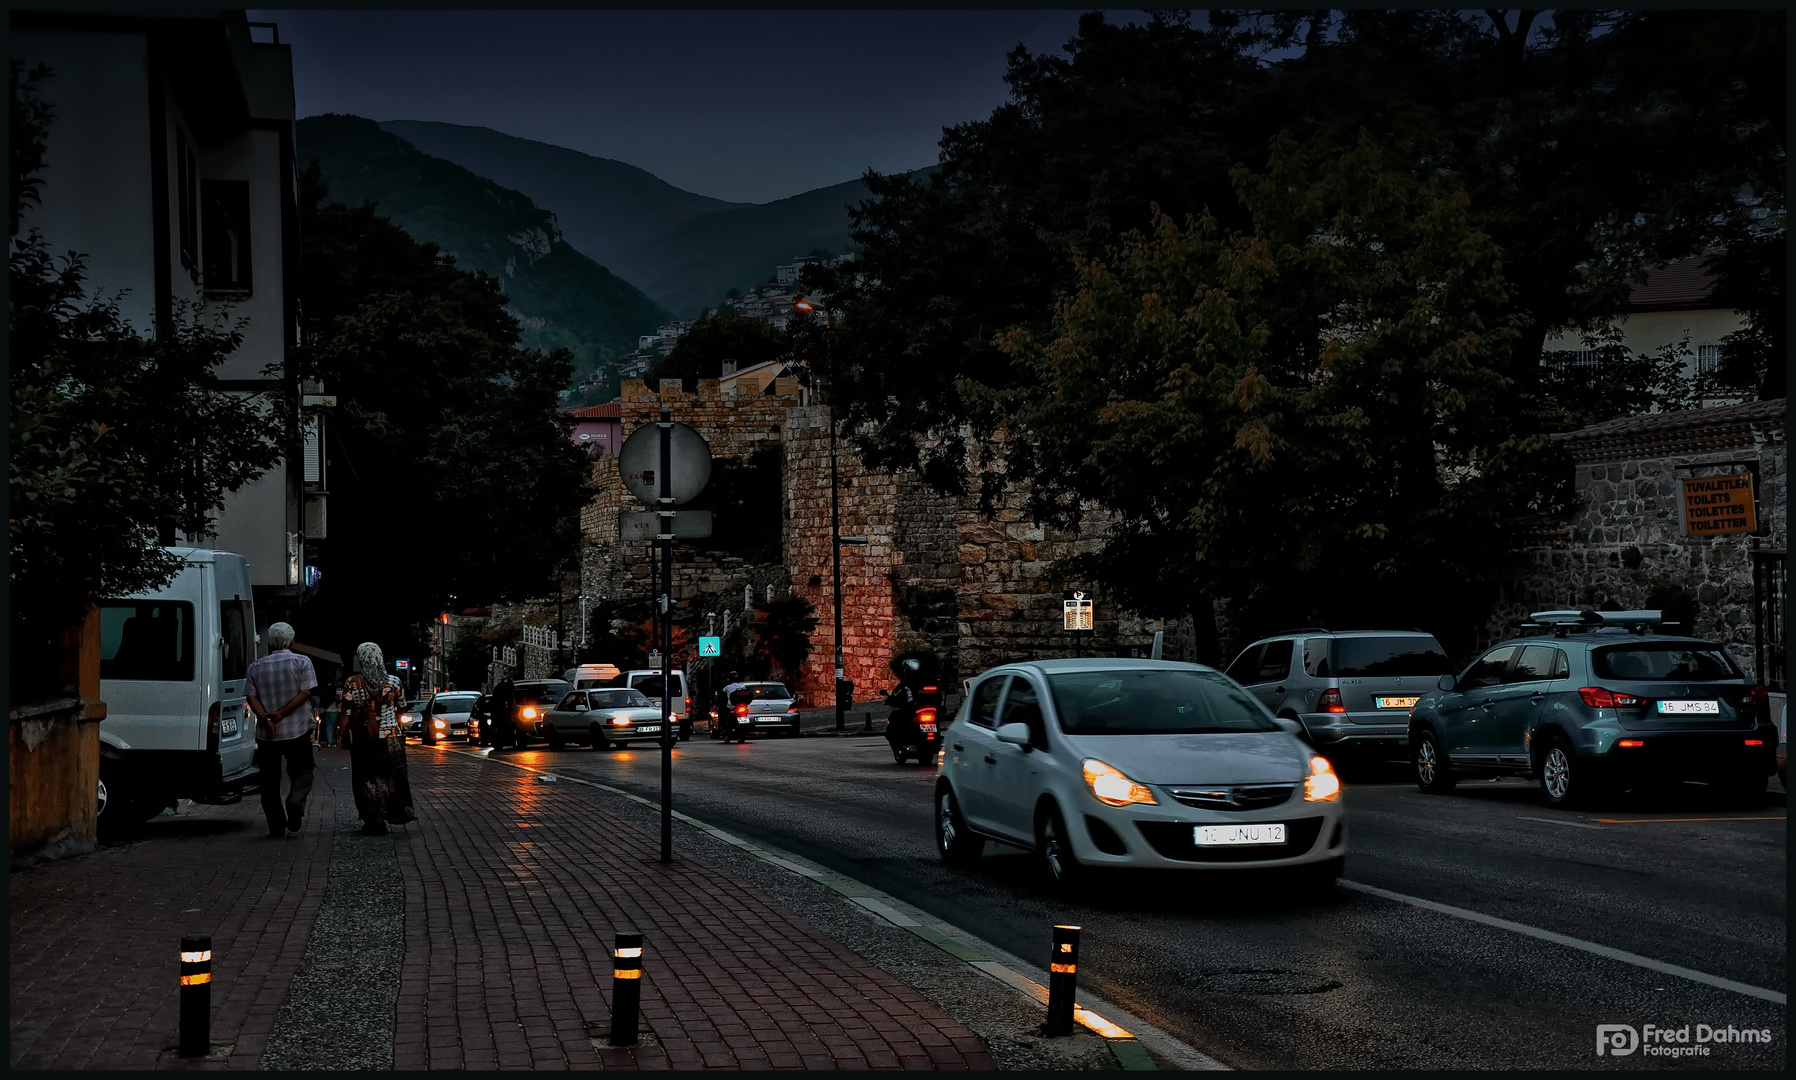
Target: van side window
{"points": [[146, 639], [239, 642]]}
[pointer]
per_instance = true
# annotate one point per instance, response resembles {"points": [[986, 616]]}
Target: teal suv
{"points": [[1599, 705]]}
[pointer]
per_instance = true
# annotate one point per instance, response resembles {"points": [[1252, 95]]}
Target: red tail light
{"points": [[1630, 742], [929, 689], [1598, 698], [1755, 742], [689, 703], [1331, 701], [742, 710], [925, 716], [1760, 698], [213, 717]]}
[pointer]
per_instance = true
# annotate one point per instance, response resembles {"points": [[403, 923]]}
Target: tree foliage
{"points": [[782, 630], [453, 470], [702, 349], [119, 442]]}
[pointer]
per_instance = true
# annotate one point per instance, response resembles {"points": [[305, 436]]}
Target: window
{"points": [[1539, 662], [650, 685], [1315, 657], [1024, 707], [1489, 670], [985, 702], [1373, 657], [1708, 359], [1664, 662], [187, 206], [146, 639], [443, 705], [1275, 662], [225, 239], [547, 694], [619, 699], [239, 640], [1154, 703], [771, 691], [1245, 665]]}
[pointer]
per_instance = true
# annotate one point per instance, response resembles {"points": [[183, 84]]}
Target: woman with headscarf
{"points": [[368, 722]]}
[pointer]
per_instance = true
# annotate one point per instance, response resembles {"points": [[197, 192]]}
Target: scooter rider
{"points": [[901, 725], [726, 711]]}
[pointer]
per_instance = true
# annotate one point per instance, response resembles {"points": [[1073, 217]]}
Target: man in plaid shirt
{"points": [[279, 689]]}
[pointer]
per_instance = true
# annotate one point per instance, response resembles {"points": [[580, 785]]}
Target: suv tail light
{"points": [[1330, 701], [213, 717], [1760, 699], [1598, 698]]}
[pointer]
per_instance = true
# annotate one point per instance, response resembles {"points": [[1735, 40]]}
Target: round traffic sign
{"points": [[640, 463]]}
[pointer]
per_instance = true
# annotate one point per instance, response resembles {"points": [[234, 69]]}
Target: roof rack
{"points": [[1585, 619], [1300, 630]]}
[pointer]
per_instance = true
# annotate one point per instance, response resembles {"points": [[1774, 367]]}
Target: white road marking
{"points": [[1647, 962], [1562, 821]]}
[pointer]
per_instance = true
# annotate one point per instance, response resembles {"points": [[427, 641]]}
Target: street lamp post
{"points": [[835, 508]]}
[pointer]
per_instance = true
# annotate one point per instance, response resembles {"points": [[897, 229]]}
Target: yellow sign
{"points": [[1075, 611], [1717, 505]]}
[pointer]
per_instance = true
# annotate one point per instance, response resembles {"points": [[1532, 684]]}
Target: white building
{"points": [[170, 168]]}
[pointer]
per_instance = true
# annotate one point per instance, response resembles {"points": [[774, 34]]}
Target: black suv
{"points": [[1598, 704], [516, 712]]}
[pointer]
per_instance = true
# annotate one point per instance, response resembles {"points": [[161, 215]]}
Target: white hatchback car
{"points": [[1133, 763]]}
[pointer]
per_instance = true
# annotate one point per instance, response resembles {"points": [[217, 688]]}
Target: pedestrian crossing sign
{"points": [[710, 646]]}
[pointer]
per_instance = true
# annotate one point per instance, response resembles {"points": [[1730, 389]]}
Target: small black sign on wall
{"points": [[224, 244]]}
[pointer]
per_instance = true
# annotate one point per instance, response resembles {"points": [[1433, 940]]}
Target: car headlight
{"points": [[529, 713], [1109, 786], [620, 721], [1321, 785], [442, 723]]}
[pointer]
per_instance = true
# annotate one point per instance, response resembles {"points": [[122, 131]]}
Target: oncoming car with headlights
{"points": [[1133, 763]]}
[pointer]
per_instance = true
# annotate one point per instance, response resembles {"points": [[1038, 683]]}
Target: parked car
{"points": [[172, 667], [480, 721], [1351, 690], [1103, 763], [411, 717], [648, 680], [603, 718], [446, 715], [515, 711], [1595, 708], [771, 709]]}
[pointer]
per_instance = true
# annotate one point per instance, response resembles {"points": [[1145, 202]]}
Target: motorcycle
{"points": [[731, 722], [913, 727]]}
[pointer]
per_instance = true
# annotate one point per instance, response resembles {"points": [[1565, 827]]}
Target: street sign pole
{"points": [[666, 506]]}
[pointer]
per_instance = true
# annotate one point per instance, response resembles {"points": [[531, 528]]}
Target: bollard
{"points": [[1063, 975], [626, 988], [196, 995], [866, 721]]}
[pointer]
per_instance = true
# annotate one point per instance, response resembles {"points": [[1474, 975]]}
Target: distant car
{"points": [[514, 713], [1594, 708], [604, 718], [1119, 763], [1351, 690], [446, 715], [771, 709], [411, 718], [648, 680]]}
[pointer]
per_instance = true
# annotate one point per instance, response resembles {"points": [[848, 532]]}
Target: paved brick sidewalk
{"points": [[95, 941], [514, 888]]}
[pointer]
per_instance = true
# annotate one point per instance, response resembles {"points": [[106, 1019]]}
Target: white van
{"points": [[172, 669], [648, 680], [590, 676]]}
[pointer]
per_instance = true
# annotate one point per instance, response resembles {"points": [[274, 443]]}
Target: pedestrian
{"points": [[369, 725], [279, 689], [327, 728]]}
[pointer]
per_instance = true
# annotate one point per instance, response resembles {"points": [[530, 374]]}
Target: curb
{"points": [[1130, 1046]]}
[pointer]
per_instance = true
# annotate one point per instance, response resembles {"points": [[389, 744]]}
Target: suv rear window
{"points": [[1154, 703], [1372, 657], [650, 685], [1663, 661]]}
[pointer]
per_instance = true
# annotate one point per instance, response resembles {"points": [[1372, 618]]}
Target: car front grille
{"points": [[1238, 797], [1173, 840]]}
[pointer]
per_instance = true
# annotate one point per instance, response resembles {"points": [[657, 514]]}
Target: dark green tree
{"points": [[782, 631], [453, 470], [702, 349]]}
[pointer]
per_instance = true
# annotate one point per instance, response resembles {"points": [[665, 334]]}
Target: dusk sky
{"points": [[741, 105]]}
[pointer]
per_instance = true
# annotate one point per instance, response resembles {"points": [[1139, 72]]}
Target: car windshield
{"points": [[770, 690], [618, 699], [452, 705], [546, 694], [1663, 661], [1373, 657], [1154, 703]]}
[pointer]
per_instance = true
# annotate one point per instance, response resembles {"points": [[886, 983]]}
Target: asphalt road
{"points": [[1259, 978]]}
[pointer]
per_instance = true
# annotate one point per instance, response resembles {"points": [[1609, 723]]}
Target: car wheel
{"points": [[956, 844], [898, 754], [1433, 769], [1563, 780], [554, 736], [1054, 851]]}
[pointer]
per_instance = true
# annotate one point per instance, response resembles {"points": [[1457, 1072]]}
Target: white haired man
{"points": [[279, 689]]}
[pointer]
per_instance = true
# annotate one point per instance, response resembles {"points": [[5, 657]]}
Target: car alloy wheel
{"points": [[1432, 773], [953, 841], [1561, 779], [101, 812], [1055, 851]]}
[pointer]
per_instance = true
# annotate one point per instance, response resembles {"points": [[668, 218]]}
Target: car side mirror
{"points": [[579, 708], [1015, 734], [1447, 682]]}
